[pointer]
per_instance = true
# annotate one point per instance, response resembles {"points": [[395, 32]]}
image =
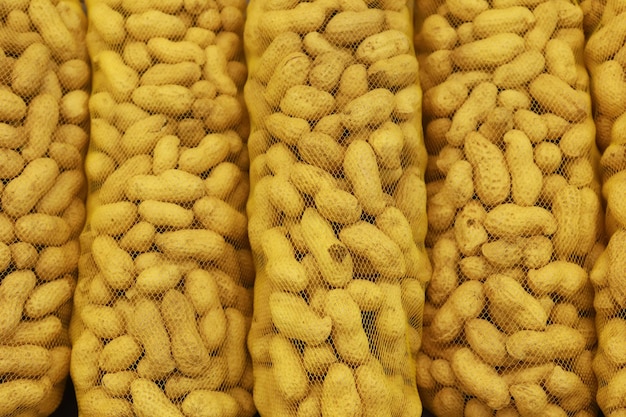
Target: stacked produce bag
{"points": [[605, 55], [337, 207], [164, 297], [44, 81], [514, 210]]}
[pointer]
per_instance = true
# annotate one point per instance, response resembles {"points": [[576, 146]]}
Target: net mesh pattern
{"points": [[337, 206], [515, 218], [605, 56], [164, 297], [44, 84]]}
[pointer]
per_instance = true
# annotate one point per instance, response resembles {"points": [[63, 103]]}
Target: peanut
{"points": [[504, 293], [516, 19], [340, 379], [508, 220], [481, 100], [382, 252], [522, 345], [335, 152], [171, 192], [493, 51], [526, 178], [607, 74], [487, 249], [315, 330], [449, 320], [548, 279], [444, 253], [491, 178], [350, 339], [44, 110], [559, 98]]}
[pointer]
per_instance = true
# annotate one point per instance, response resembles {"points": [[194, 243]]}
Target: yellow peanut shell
{"points": [[492, 51], [348, 334], [288, 369], [382, 252], [353, 26], [526, 178], [332, 256], [361, 170], [511, 220], [197, 401], [545, 345], [148, 399], [188, 350], [493, 390], [480, 102], [339, 392], [465, 303], [491, 176], [47, 19], [561, 277], [556, 96], [511, 306], [515, 19], [22, 193]]}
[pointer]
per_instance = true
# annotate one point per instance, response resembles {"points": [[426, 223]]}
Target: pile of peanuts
{"points": [[514, 211], [164, 298], [605, 55], [337, 207], [44, 77]]}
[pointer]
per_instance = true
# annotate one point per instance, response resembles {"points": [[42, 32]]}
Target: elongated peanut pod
{"points": [[332, 256], [295, 319]]}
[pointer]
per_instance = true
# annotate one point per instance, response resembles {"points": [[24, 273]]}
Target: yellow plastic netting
{"points": [[44, 84], [164, 297], [337, 207], [514, 212], [605, 56]]}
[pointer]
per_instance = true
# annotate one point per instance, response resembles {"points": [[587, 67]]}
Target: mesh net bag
{"points": [[164, 296], [337, 207], [605, 56], [44, 81], [514, 210]]}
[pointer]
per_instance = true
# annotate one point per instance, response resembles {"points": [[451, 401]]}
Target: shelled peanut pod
{"points": [[44, 86], [514, 210], [337, 206], [605, 56], [164, 297]]}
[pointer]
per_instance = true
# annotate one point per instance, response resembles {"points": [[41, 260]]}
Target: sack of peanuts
{"points": [[514, 210], [44, 84], [337, 207], [164, 297], [605, 55]]}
